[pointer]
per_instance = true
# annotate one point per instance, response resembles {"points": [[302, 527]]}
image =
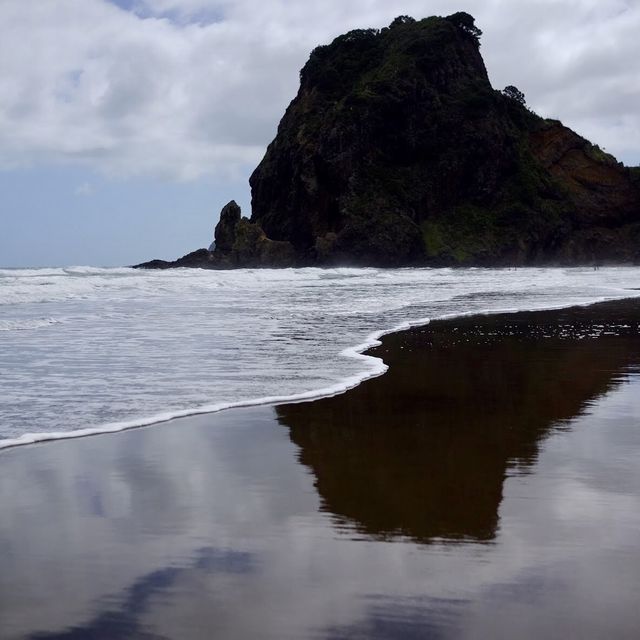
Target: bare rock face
{"points": [[225, 230], [599, 186]]}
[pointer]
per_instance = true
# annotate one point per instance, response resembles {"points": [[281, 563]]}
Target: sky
{"points": [[126, 125]]}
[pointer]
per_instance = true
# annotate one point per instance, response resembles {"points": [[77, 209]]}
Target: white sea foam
{"points": [[27, 323], [85, 350]]}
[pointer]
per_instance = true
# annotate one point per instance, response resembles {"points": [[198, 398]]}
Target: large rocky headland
{"points": [[397, 151]]}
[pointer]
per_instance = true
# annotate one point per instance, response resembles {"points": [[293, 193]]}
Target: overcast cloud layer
{"points": [[187, 88]]}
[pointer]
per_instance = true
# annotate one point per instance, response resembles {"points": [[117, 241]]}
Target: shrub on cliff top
{"points": [[515, 94], [466, 23]]}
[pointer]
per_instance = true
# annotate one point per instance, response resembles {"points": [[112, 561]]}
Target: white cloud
{"points": [[84, 189], [184, 88]]}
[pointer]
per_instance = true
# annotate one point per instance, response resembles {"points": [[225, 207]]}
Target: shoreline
{"points": [[492, 458], [357, 352]]}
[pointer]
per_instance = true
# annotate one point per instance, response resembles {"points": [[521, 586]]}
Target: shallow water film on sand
{"points": [[486, 487], [84, 349]]}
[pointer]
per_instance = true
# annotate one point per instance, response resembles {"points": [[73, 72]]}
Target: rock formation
{"points": [[397, 151], [225, 232], [237, 243]]}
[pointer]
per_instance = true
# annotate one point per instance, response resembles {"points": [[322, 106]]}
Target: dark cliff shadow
{"points": [[423, 450]]}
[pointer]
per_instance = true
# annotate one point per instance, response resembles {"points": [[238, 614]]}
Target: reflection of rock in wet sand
{"points": [[423, 451]]}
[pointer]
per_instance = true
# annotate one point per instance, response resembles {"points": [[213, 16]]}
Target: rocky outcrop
{"points": [[397, 151], [252, 248], [201, 258], [237, 243], [225, 231]]}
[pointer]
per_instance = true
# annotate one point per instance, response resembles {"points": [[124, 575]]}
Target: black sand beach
{"points": [[488, 486]]}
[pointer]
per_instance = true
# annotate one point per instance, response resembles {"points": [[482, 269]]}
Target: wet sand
{"points": [[488, 486]]}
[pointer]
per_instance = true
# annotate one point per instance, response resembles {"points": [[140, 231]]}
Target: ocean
{"points": [[89, 350]]}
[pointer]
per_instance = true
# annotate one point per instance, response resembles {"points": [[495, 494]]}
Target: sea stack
{"points": [[397, 151]]}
